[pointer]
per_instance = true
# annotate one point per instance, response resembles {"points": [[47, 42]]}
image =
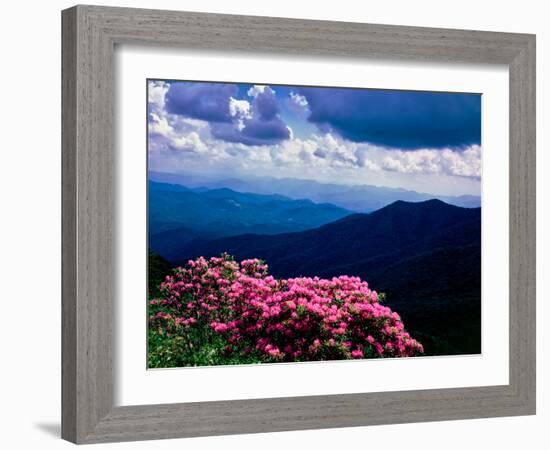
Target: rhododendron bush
{"points": [[218, 311]]}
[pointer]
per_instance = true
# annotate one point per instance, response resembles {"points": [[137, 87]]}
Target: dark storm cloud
{"points": [[265, 105], [204, 101], [263, 127], [255, 132], [398, 119], [211, 102]]}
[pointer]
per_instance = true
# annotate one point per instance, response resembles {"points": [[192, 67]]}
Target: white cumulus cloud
{"points": [[239, 108], [257, 89], [157, 93], [464, 163], [190, 142], [299, 100]]}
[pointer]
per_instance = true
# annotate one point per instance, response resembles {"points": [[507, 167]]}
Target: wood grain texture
{"points": [[89, 36], [523, 224], [68, 225]]}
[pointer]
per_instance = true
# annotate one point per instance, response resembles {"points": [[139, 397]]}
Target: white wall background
{"points": [[30, 235]]}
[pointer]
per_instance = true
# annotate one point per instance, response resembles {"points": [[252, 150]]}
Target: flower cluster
{"points": [[296, 319]]}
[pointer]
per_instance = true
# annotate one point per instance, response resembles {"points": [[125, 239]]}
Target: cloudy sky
{"points": [[424, 141]]}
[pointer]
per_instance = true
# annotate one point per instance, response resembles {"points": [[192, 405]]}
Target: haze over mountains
{"points": [[426, 256], [358, 198]]}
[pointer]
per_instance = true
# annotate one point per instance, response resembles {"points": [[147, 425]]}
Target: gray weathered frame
{"points": [[90, 34]]}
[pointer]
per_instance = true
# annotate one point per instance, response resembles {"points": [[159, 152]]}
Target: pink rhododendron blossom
{"points": [[295, 319]]}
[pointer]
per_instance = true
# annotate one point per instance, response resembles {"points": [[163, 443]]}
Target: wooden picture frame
{"points": [[90, 34]]}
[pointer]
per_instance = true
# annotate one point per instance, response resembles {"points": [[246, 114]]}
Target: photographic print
{"points": [[302, 223]]}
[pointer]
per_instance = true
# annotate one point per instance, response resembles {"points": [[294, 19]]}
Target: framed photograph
{"points": [[278, 224]]}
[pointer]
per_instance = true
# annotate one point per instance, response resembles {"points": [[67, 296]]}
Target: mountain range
{"points": [[179, 215], [357, 198]]}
